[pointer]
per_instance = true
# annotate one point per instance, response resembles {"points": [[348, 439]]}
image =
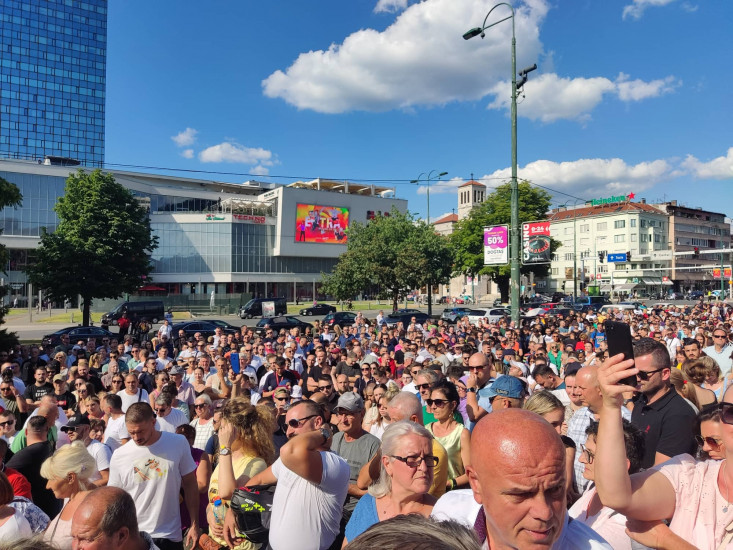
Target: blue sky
{"points": [[629, 96]]}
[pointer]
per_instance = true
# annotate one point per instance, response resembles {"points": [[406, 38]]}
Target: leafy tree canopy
{"points": [[394, 252], [468, 237], [102, 245], [9, 196]]}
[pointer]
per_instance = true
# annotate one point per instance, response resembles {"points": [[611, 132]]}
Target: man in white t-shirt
{"points": [[152, 468], [311, 485], [517, 497], [115, 433], [168, 417], [132, 393]]}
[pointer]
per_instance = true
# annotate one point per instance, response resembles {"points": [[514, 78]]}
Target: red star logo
{"points": [[630, 196]]}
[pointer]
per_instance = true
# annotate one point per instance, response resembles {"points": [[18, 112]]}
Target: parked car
{"points": [[206, 328], [493, 314], [341, 319], [452, 314], [695, 295], [560, 310], [152, 310], [592, 300], [286, 322], [78, 333], [228, 327], [318, 309], [406, 318]]}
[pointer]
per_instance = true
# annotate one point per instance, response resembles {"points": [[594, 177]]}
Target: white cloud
{"points": [[421, 59], [259, 170], [187, 153], [234, 152], [390, 6], [185, 138], [550, 97], [717, 169], [636, 9]]}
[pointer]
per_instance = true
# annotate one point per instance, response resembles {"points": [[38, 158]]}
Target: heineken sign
{"points": [[610, 200]]}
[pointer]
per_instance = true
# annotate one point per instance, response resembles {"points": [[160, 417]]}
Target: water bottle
{"points": [[219, 512]]}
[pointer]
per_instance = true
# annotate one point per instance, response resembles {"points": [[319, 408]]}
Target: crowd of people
{"points": [[458, 435]]}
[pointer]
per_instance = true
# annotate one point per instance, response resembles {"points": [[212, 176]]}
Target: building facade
{"points": [[590, 234], [256, 237], [52, 79]]}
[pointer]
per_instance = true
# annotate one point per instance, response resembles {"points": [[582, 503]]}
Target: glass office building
{"points": [[52, 79]]}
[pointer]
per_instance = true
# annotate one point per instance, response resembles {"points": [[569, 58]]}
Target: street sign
{"points": [[496, 245], [616, 257]]}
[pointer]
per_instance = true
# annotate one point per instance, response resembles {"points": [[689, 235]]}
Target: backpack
{"points": [[252, 508]]}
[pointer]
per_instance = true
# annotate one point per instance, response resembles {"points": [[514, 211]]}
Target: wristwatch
{"points": [[326, 433], [472, 390], [224, 451]]}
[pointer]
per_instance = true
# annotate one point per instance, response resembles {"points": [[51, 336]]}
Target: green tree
{"points": [[394, 252], [9, 196], [468, 238], [102, 245]]}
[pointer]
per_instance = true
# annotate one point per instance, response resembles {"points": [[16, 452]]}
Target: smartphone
{"points": [[618, 336], [234, 361]]}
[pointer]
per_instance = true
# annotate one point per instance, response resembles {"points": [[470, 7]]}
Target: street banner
{"points": [[496, 245], [536, 243], [726, 273]]}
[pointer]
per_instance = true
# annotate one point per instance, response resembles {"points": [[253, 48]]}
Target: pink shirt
{"points": [[698, 515], [607, 522]]}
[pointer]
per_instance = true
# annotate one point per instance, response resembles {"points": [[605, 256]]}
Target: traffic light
{"points": [[628, 255], [695, 252], [601, 255]]}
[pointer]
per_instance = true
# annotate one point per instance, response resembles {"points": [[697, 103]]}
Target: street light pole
{"points": [[430, 175], [514, 237]]}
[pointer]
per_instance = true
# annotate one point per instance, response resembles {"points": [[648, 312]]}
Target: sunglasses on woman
{"points": [[437, 402], [726, 412], [713, 442]]}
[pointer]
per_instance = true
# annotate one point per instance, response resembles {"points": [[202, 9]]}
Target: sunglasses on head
{"points": [[726, 412]]}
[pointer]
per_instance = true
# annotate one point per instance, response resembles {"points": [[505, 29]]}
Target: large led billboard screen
{"points": [[321, 224]]}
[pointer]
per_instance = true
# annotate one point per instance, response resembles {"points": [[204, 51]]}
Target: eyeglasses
{"points": [[4, 389], [422, 386], [415, 461], [440, 403], [114, 381], [719, 335], [475, 367], [161, 410], [365, 370], [199, 405], [7, 423], [281, 398], [645, 375], [711, 441], [298, 422], [324, 388], [726, 412], [589, 456]]}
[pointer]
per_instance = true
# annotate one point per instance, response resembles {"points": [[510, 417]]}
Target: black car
{"points": [[281, 322], [341, 318], [78, 333], [206, 328], [228, 327], [318, 309], [406, 318]]}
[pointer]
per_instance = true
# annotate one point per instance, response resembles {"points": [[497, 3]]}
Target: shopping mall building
{"points": [[255, 237]]}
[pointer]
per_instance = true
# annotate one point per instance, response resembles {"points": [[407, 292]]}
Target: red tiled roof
{"points": [[450, 218], [611, 208], [472, 183]]}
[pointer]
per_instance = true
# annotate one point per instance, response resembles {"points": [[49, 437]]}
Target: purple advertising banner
{"points": [[496, 245]]}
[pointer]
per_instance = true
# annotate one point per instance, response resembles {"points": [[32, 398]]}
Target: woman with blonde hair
{"points": [[246, 449], [714, 380], [68, 472], [696, 372], [685, 388]]}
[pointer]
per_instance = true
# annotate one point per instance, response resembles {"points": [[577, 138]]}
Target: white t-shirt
{"points": [[171, 421], [101, 454], [460, 506], [128, 399], [152, 476], [115, 432], [306, 515]]}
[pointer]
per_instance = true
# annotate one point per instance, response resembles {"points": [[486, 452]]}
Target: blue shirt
{"points": [[363, 517]]}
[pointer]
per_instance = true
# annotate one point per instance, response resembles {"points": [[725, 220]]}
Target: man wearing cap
{"points": [[186, 393], [61, 392], [353, 444], [77, 428], [507, 392]]}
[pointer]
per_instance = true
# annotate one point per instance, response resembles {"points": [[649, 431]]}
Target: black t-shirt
{"points": [[272, 380], [34, 393], [350, 371], [28, 462], [66, 400], [669, 425]]}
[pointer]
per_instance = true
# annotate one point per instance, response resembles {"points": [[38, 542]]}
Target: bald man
{"points": [[586, 384], [106, 519], [517, 498]]}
